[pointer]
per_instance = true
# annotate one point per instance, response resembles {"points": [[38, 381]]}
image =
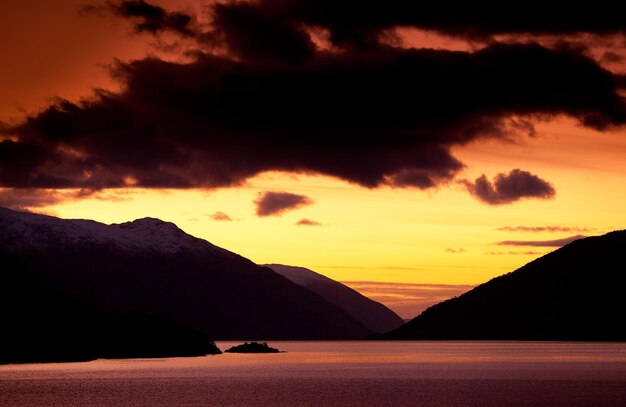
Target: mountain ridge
{"points": [[374, 315], [152, 266], [142, 234], [572, 293]]}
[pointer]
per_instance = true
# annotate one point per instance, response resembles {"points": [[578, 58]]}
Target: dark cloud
{"points": [[220, 216], [507, 188], [153, 19], [541, 243], [359, 24], [276, 203], [370, 115], [612, 57], [252, 33], [31, 198], [23, 199], [271, 25], [535, 229], [455, 251], [308, 222], [384, 118]]}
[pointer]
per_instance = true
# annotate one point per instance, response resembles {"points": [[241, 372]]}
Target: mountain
{"points": [[152, 267], [42, 324], [374, 315], [573, 293]]}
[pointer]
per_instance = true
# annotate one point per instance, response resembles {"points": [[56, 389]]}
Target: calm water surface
{"points": [[338, 374]]}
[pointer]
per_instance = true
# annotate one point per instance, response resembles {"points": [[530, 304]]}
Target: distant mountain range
{"points": [[574, 293], [374, 315], [151, 267]]}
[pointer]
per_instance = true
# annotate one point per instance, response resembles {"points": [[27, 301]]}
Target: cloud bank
{"points": [[358, 24], [256, 93]]}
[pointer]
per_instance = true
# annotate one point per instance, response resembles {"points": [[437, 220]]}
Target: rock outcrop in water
{"points": [[575, 293], [252, 347]]}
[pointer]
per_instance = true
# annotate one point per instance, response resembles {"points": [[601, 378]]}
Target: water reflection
{"points": [[338, 373]]}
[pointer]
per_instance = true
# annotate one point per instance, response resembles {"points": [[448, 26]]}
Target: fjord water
{"points": [[338, 374]]}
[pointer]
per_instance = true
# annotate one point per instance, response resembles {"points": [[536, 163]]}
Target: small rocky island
{"points": [[252, 347]]}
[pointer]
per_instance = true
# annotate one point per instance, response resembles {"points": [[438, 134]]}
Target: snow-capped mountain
{"points": [[23, 229], [153, 267]]}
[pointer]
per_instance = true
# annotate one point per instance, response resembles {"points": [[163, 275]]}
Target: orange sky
{"points": [[442, 237]]}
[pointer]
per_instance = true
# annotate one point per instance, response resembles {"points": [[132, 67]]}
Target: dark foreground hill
{"points": [[152, 267], [372, 314], [42, 324], [574, 293]]}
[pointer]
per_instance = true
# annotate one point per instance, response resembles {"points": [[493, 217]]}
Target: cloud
{"points": [[359, 24], [407, 300], [308, 222], [23, 199], [31, 198], [612, 57], [455, 251], [276, 203], [220, 216], [216, 122], [535, 229], [541, 243], [526, 253], [511, 187], [253, 94], [250, 33], [150, 18]]}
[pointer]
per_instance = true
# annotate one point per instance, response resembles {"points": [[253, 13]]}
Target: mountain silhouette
{"points": [[152, 267], [42, 324], [374, 315], [574, 293]]}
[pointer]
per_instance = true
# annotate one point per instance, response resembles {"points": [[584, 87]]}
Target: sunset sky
{"points": [[410, 152]]}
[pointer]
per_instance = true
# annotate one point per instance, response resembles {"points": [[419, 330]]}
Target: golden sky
{"points": [[436, 237]]}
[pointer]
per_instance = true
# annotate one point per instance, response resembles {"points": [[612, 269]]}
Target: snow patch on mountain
{"points": [[147, 234]]}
